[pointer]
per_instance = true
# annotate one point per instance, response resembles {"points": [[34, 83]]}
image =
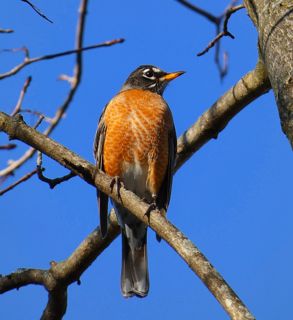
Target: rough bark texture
{"points": [[274, 22]]}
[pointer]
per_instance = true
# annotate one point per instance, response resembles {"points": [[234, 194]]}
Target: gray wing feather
{"points": [[165, 191], [98, 153]]}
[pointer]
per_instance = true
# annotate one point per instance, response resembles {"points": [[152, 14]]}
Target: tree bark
{"points": [[274, 23]]}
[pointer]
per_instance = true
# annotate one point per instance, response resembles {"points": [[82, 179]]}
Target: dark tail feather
{"points": [[103, 209], [134, 275]]}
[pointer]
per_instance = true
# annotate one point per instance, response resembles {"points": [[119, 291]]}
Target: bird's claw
{"points": [[116, 180], [152, 206]]}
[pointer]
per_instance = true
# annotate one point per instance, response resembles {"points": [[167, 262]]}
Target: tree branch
{"points": [[200, 11], [15, 128], [225, 32], [38, 11], [21, 278], [74, 85], [215, 119], [29, 61], [21, 96], [273, 21], [51, 182], [8, 146], [218, 21], [16, 183], [6, 31], [57, 304]]}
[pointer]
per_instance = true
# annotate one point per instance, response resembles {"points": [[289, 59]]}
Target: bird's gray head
{"points": [[148, 77]]}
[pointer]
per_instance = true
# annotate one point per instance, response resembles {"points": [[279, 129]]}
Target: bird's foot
{"points": [[116, 180], [152, 206]]}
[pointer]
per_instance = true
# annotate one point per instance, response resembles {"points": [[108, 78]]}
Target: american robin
{"points": [[136, 145]]}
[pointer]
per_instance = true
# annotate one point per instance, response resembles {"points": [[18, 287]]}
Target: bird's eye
{"points": [[149, 73]]}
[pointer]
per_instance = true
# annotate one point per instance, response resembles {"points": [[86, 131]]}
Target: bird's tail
{"points": [[134, 275]]}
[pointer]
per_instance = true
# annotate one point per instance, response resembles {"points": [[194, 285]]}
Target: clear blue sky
{"points": [[232, 199]]}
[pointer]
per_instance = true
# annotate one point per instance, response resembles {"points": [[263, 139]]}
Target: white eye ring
{"points": [[149, 74]]}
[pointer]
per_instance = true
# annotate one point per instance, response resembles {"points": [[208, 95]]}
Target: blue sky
{"points": [[232, 199]]}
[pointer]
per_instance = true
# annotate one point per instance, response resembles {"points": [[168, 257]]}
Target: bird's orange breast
{"points": [[137, 123]]}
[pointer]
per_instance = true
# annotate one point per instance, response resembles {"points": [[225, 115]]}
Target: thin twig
{"points": [[225, 32], [217, 21], [51, 182], [8, 146], [40, 120], [21, 96], [37, 10], [228, 14], [200, 11], [28, 61], [21, 180], [23, 49], [6, 30], [36, 113]]}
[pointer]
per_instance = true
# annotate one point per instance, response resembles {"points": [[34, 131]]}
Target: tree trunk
{"points": [[274, 22]]}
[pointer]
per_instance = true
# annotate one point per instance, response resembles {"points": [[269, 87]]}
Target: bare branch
{"points": [[225, 32], [38, 11], [198, 263], [14, 164], [21, 278], [216, 118], [36, 113], [62, 109], [8, 146], [228, 14], [23, 49], [57, 304], [21, 96], [28, 61], [21, 180], [6, 31], [214, 41], [217, 21], [40, 120], [51, 182], [200, 11]]}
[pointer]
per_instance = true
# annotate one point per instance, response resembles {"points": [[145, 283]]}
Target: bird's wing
{"points": [[165, 191], [98, 153]]}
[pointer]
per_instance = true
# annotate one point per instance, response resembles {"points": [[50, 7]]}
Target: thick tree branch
{"points": [[21, 278], [69, 270], [273, 21], [57, 304], [215, 119], [17, 129], [208, 126]]}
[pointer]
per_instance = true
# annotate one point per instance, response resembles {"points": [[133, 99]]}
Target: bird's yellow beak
{"points": [[171, 76]]}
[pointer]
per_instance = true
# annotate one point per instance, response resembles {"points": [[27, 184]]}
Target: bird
{"points": [[136, 144]]}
